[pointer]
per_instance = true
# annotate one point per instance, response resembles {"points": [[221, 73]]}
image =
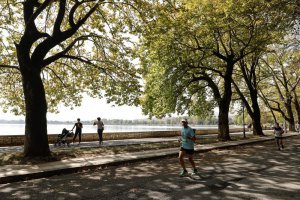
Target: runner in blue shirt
{"points": [[187, 140]]}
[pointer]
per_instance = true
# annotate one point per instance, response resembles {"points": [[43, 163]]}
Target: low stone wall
{"points": [[14, 140]]}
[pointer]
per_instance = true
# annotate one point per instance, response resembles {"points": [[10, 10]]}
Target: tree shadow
{"points": [[250, 172]]}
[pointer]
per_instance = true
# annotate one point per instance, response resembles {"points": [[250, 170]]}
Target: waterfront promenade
{"points": [[249, 169], [121, 142]]}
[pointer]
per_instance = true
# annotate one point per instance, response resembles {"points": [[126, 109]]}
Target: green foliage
{"points": [[180, 40], [187, 44], [98, 63], [282, 66]]}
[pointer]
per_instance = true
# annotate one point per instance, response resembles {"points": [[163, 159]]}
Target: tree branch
{"points": [[210, 83], [55, 74], [59, 55], [86, 62], [38, 11], [10, 67], [60, 17], [72, 12], [43, 48], [222, 43], [237, 89]]}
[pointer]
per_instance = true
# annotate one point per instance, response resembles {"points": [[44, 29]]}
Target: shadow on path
{"points": [[257, 171]]}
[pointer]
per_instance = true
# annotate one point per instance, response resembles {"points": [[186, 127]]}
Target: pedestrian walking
{"points": [[278, 131], [187, 140], [249, 126], [298, 127], [78, 130], [284, 125], [100, 129]]}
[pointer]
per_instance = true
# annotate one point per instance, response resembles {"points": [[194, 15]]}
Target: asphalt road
{"points": [[257, 171]]}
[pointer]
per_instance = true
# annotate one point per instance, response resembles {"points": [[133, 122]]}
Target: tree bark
{"points": [[36, 139], [257, 129], [223, 124], [256, 117], [297, 106], [291, 119]]}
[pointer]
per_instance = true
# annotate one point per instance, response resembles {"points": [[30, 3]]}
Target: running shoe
{"points": [[183, 173]]}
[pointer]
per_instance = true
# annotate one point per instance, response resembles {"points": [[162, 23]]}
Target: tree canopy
{"points": [[54, 51], [96, 59], [191, 48]]}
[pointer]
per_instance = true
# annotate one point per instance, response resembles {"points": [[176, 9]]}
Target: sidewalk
{"points": [[13, 173], [96, 143], [123, 142]]}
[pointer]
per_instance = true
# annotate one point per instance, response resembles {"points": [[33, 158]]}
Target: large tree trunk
{"points": [[291, 119], [297, 106], [256, 117], [36, 139], [223, 124], [257, 129]]}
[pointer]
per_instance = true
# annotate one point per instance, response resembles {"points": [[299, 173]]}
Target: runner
{"points": [[187, 140]]}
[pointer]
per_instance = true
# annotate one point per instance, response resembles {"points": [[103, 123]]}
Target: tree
{"points": [[53, 51], [250, 72], [192, 47], [283, 66]]}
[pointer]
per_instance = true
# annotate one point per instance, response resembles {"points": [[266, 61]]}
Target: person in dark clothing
{"points": [[78, 130], [278, 131]]}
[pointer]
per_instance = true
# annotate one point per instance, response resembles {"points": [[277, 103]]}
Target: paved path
{"points": [[256, 171], [96, 143], [116, 142]]}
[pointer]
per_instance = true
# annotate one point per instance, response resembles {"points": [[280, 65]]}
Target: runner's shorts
{"points": [[187, 151]]}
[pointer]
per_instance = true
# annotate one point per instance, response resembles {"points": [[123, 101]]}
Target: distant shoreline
{"points": [[17, 129], [106, 123], [149, 122]]}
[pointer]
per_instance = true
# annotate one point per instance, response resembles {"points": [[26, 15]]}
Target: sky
{"points": [[89, 110]]}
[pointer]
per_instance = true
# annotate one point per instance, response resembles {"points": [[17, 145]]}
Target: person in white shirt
{"points": [[298, 126], [100, 128]]}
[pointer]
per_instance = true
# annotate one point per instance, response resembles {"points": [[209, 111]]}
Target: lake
{"points": [[18, 129]]}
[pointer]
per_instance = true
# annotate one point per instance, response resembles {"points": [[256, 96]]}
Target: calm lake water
{"points": [[18, 129]]}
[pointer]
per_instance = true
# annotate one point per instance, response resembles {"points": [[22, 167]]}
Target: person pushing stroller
{"points": [[78, 130]]}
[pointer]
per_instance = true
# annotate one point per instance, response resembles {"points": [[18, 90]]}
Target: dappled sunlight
{"points": [[249, 172], [167, 184], [9, 170], [7, 189], [156, 195]]}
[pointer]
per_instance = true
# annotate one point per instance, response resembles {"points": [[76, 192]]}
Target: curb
{"points": [[75, 165]]}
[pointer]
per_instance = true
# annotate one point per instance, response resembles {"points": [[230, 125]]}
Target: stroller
{"points": [[64, 138]]}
